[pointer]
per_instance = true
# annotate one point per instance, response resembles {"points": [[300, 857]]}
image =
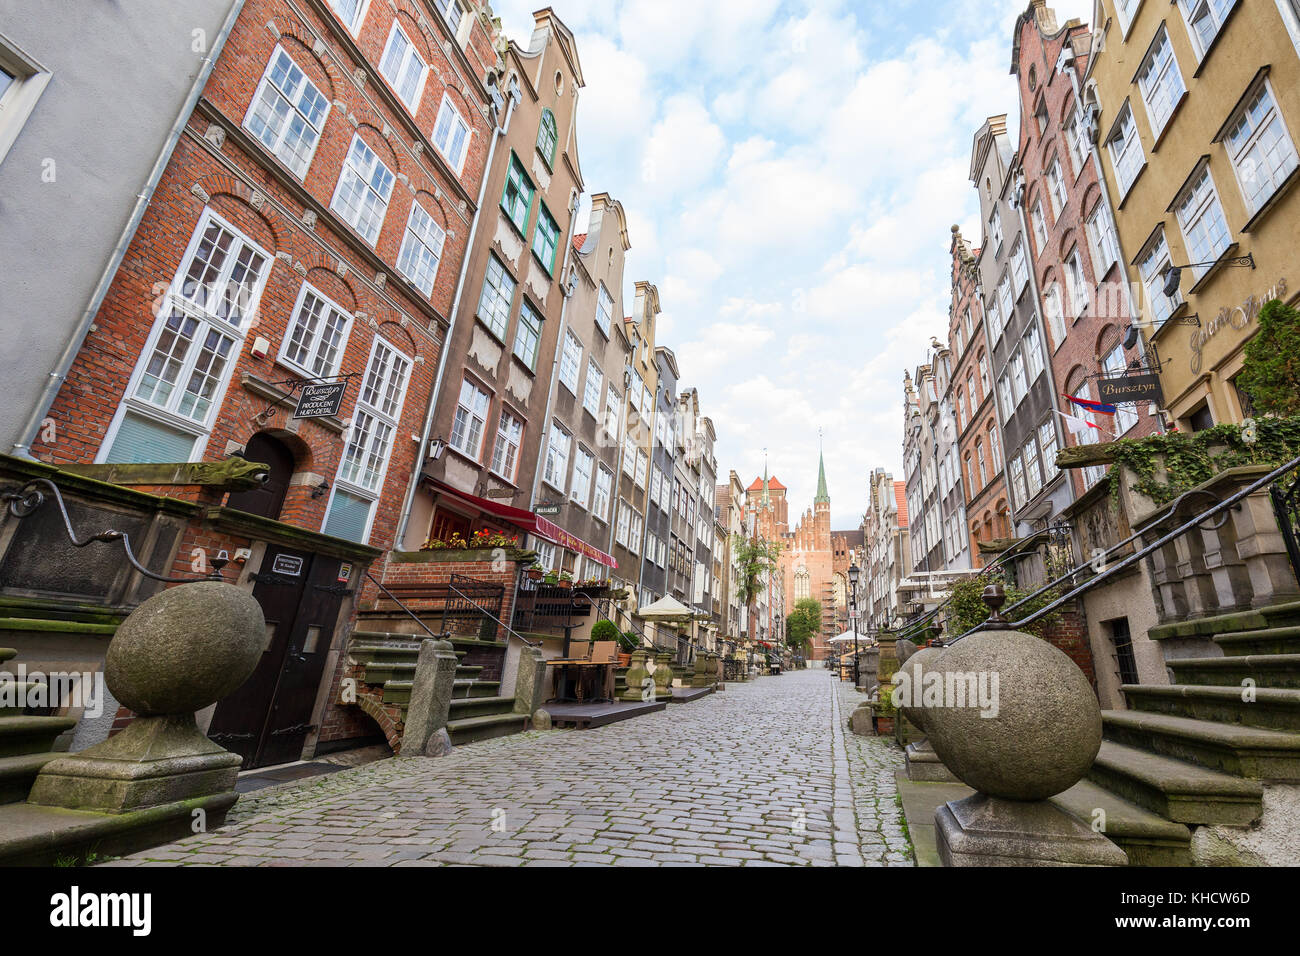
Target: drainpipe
{"points": [[498, 134], [22, 449]]}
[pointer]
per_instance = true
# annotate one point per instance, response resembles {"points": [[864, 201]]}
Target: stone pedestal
{"points": [[530, 681], [637, 675], [923, 764], [860, 721], [431, 691], [663, 675], [982, 830], [706, 670]]}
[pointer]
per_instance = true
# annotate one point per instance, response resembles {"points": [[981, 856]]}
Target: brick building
{"points": [[308, 229]]}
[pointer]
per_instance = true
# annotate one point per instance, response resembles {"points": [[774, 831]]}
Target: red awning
{"points": [[526, 520]]}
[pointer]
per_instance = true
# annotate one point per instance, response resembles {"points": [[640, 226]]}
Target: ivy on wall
{"points": [[1271, 365], [966, 608]]}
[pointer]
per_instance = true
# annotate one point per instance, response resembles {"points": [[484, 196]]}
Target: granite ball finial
{"points": [[908, 681], [1034, 727], [185, 648]]}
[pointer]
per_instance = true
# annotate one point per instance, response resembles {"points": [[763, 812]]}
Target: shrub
{"points": [[1270, 371]]}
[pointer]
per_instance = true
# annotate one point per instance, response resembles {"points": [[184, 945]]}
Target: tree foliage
{"points": [[966, 607], [755, 559], [1271, 367], [803, 623]]}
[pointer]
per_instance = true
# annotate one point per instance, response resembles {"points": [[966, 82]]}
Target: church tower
{"points": [[822, 507]]}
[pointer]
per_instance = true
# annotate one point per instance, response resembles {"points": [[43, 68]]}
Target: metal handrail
{"points": [[998, 621], [445, 634], [411, 614], [631, 624], [24, 501]]}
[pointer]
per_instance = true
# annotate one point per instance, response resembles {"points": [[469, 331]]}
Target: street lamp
{"points": [[854, 573], [1174, 274]]}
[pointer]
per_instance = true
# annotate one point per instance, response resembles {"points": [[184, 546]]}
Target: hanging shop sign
{"points": [[548, 511], [1237, 318], [320, 401], [1129, 389]]}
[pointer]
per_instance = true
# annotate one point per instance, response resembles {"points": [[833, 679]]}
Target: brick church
{"points": [[814, 559]]}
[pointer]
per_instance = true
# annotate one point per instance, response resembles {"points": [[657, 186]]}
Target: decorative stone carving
{"points": [[508, 242], [484, 349], [215, 135], [309, 218], [200, 192]]}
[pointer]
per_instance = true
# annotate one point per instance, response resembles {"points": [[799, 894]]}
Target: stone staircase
{"points": [[26, 743], [1196, 753], [478, 711]]}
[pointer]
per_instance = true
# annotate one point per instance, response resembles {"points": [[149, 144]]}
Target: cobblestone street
{"points": [[763, 773]]}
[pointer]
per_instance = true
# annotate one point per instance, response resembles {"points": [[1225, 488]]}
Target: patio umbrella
{"points": [[667, 609]]}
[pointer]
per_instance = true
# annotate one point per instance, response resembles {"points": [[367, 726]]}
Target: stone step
{"points": [[475, 688], [1266, 670], [462, 707], [40, 625], [31, 735], [11, 693], [457, 642], [1268, 640], [1145, 837], [469, 729], [381, 672], [1177, 790], [36, 609], [1268, 707], [1228, 748], [18, 773], [7, 654]]}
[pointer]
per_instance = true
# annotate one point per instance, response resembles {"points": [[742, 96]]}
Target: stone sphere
{"points": [[1042, 728], [185, 648], [925, 659], [904, 649]]}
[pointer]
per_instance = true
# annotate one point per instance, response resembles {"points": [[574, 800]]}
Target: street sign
{"points": [[547, 511], [320, 401], [1127, 389]]}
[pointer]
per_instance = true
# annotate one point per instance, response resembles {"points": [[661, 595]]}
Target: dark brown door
{"points": [[268, 717], [267, 500]]}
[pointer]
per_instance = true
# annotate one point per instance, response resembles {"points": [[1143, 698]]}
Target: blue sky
{"points": [[791, 170]]}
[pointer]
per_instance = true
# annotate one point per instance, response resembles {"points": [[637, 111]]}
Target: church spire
{"points": [[823, 495]]}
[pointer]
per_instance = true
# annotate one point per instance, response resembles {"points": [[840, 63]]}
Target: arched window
{"points": [[546, 137]]}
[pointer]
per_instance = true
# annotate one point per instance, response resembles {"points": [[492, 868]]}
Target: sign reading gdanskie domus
{"points": [[1130, 388], [320, 401]]}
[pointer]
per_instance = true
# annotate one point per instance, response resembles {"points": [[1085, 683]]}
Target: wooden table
{"points": [[579, 681]]}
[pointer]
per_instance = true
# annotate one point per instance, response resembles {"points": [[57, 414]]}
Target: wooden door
{"points": [[268, 500]]}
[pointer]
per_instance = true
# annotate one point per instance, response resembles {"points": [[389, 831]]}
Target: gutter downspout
{"points": [[498, 134], [59, 375]]}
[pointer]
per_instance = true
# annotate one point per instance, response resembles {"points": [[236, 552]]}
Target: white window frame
{"points": [[1055, 313], [471, 414], [1215, 13], [358, 17], [1238, 154], [604, 309], [996, 236], [592, 388], [497, 319], [1161, 82], [556, 470], [603, 488], [313, 344], [571, 362], [580, 490], [366, 183], [1039, 222], [1128, 159], [296, 162], [1152, 264], [1105, 242], [506, 449], [418, 249], [448, 108], [208, 320], [1056, 189], [410, 56], [1019, 266], [1206, 235], [444, 8]]}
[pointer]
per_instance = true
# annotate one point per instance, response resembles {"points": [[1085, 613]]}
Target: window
{"points": [[1055, 314], [1201, 218], [546, 137], [287, 113], [642, 469], [557, 457], [363, 190], [351, 12], [451, 12], [1047, 443], [975, 398], [1076, 287], [1161, 82], [1004, 396], [1126, 414], [634, 532], [1125, 150], [1056, 188], [612, 404], [984, 375], [629, 456], [1040, 225], [518, 197], [1261, 150], [1076, 141], [505, 454], [470, 420], [979, 452], [570, 361], [451, 134], [368, 445], [1204, 20], [600, 500], [604, 310], [995, 449], [1105, 244], [529, 335], [1153, 265], [1126, 10], [591, 388], [546, 238], [421, 249], [403, 67], [582, 465], [1032, 471], [1019, 266], [1018, 481], [1019, 387], [494, 301], [995, 233], [315, 338], [183, 368], [1034, 353]]}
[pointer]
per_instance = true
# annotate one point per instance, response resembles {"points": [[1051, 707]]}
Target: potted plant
{"points": [[535, 573], [550, 579], [565, 581]]}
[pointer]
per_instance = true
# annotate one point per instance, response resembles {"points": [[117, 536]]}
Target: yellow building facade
{"points": [[1195, 107]]}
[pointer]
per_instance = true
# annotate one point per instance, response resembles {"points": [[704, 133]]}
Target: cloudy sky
{"points": [[791, 170]]}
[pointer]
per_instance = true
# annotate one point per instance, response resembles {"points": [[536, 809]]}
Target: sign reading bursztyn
{"points": [[320, 401], [1130, 388]]}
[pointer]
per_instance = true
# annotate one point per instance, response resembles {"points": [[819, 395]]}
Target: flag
{"points": [[1098, 408], [1078, 426]]}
